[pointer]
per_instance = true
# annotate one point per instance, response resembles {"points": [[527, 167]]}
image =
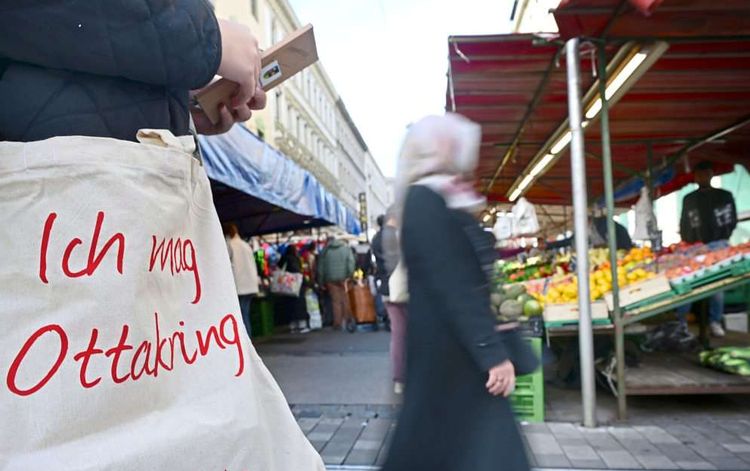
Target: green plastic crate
{"points": [[261, 317], [739, 295], [714, 274], [527, 400]]}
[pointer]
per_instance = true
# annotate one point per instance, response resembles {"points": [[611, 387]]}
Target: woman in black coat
{"points": [[460, 369]]}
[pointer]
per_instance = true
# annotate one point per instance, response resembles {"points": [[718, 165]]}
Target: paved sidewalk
{"points": [[328, 376], [358, 436]]}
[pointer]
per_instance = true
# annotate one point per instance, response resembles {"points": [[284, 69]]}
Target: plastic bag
{"points": [[645, 220], [503, 226], [524, 215], [313, 309]]}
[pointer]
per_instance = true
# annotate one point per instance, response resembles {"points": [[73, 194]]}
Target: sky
{"points": [[388, 58]]}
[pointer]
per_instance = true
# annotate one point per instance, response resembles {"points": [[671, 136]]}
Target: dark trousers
{"points": [[245, 302]]}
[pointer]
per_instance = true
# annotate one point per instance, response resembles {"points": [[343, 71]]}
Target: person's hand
{"points": [[227, 117], [240, 63], [502, 379]]}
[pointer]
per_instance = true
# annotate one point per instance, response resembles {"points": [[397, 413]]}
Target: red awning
{"points": [[695, 90], [674, 19]]}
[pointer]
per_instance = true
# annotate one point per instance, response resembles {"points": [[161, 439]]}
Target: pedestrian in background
{"points": [[244, 269], [708, 215], [460, 368], [335, 267], [294, 306], [388, 256], [363, 256]]}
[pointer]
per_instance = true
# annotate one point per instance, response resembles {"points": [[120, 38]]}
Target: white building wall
{"points": [[303, 118], [533, 16]]}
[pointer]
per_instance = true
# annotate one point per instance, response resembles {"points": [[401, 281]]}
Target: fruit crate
{"points": [[644, 292], [728, 268], [527, 400], [569, 313]]}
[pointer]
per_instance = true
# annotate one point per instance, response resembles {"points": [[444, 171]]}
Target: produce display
{"points": [[685, 260], [513, 303], [632, 267], [734, 360], [525, 287], [533, 269]]}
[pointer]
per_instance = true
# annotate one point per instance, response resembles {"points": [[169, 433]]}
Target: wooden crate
{"points": [[641, 291], [556, 313]]}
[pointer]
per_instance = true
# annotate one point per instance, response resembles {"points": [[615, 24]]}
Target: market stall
{"points": [[678, 84], [264, 191]]}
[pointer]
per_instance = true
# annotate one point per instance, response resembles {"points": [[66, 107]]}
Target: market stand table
{"points": [[669, 373]]}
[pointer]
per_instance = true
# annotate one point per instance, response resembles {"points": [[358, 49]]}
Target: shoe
{"points": [[717, 330], [398, 388], [304, 331], [351, 326]]}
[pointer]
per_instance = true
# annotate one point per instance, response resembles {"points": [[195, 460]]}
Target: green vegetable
{"points": [[497, 299], [524, 298], [514, 291], [532, 308], [511, 309]]}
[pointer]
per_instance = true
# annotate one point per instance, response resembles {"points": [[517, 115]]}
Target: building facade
{"points": [[305, 118], [533, 16]]}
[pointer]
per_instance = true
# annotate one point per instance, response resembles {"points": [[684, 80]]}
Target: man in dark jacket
{"points": [[386, 250], [708, 215], [108, 69], [335, 267]]}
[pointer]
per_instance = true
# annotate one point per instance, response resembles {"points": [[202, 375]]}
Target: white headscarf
{"points": [[438, 152]]}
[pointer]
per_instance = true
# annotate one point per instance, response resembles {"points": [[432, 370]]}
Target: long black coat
{"points": [[102, 68], [449, 422]]}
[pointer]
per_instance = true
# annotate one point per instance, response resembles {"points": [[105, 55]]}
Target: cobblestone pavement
{"points": [[358, 436], [327, 377]]}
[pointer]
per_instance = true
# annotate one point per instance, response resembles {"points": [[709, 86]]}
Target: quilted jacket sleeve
{"points": [[175, 43]]}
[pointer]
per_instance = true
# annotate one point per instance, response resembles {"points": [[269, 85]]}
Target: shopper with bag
{"points": [[244, 269], [293, 306], [110, 242], [335, 267], [457, 362]]}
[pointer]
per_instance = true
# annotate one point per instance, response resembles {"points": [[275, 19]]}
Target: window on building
{"points": [[278, 107], [254, 8]]}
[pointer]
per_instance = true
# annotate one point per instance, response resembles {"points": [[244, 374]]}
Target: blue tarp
{"points": [[632, 188], [264, 191]]}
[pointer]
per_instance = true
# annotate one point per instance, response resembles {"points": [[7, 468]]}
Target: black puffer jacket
{"points": [[102, 67]]}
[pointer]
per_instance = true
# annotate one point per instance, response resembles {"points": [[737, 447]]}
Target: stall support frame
{"points": [[580, 217]]}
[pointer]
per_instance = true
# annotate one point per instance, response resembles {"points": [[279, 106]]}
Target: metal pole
{"points": [[580, 217], [612, 238]]}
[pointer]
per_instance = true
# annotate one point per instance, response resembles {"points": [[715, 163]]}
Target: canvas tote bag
{"points": [[122, 343]]}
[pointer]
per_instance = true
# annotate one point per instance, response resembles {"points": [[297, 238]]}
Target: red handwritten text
{"points": [[181, 257], [149, 358], [95, 256]]}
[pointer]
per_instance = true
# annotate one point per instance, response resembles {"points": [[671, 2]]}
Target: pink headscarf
{"points": [[440, 152]]}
